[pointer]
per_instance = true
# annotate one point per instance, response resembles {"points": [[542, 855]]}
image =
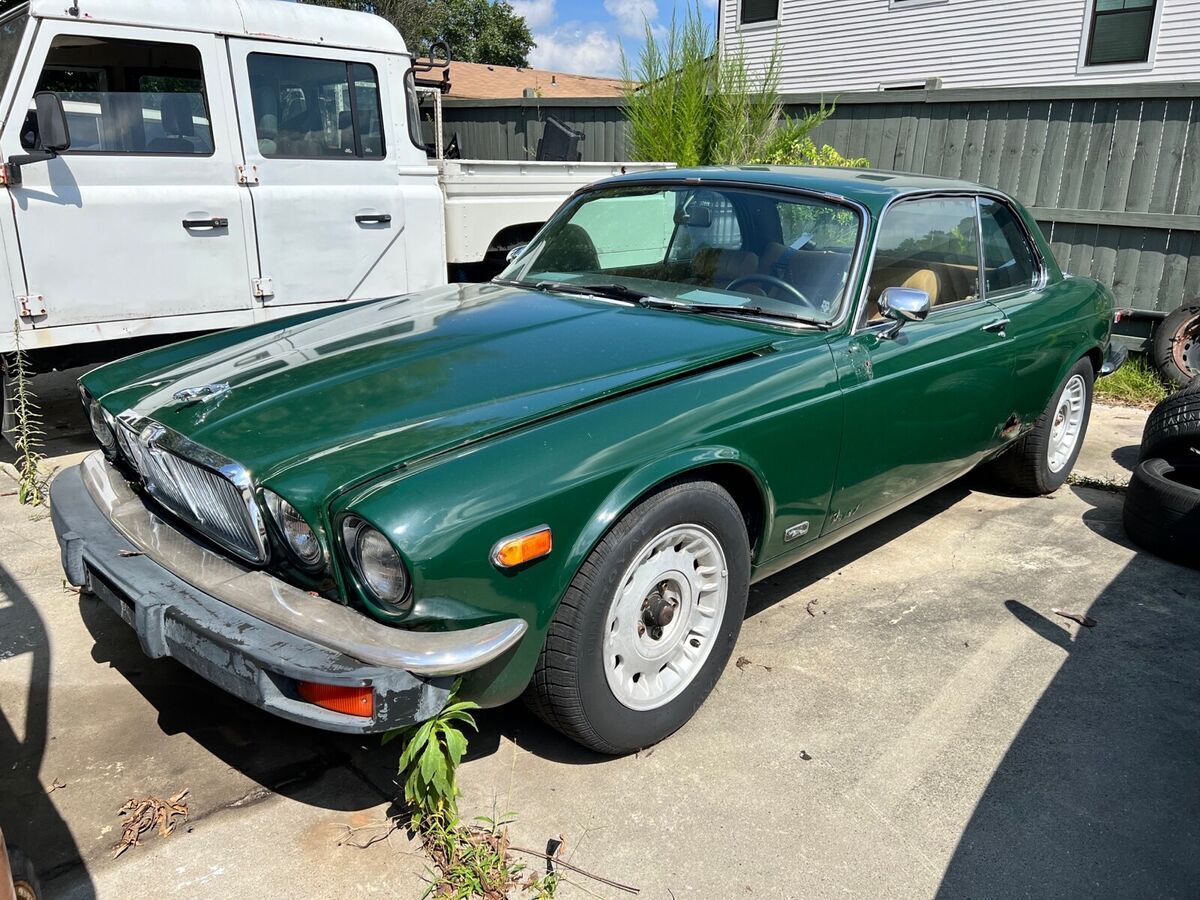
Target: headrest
{"points": [[177, 115]]}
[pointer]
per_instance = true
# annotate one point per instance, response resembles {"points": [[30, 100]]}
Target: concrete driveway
{"points": [[905, 716]]}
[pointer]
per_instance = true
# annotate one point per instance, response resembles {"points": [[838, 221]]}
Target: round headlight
{"points": [[298, 533], [101, 427], [376, 561]]}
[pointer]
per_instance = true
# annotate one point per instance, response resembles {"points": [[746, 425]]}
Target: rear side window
{"points": [[1010, 261], [315, 108], [127, 97]]}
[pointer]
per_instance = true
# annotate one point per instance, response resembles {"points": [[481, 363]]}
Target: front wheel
{"points": [[648, 623], [1040, 462]]}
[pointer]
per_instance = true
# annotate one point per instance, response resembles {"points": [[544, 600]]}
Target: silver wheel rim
{"points": [[665, 616], [1067, 423]]}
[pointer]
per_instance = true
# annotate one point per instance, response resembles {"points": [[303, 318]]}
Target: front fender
{"points": [[645, 479]]}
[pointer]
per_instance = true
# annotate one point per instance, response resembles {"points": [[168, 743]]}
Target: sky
{"points": [[587, 36]]}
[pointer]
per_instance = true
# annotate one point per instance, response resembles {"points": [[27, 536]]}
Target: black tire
{"points": [[1162, 510], [24, 877], [1176, 345], [1025, 466], [570, 690], [1172, 429]]}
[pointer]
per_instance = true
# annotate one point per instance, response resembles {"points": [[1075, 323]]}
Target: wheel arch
{"points": [[724, 466]]}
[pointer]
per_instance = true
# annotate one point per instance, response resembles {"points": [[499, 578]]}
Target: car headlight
{"points": [[298, 533], [102, 426], [376, 561]]}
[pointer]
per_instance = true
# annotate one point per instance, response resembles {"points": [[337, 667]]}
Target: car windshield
{"points": [[711, 247]]}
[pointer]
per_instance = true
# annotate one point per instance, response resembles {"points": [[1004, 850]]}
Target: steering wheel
{"points": [[771, 281]]}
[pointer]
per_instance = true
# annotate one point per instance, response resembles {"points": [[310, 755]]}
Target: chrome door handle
{"points": [[373, 219], [205, 223], [997, 327]]}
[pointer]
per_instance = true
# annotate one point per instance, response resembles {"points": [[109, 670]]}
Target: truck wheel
{"points": [[1040, 462], [647, 625], [1162, 510], [1172, 429], [1176, 345]]}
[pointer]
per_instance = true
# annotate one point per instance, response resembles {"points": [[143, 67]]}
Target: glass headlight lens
{"points": [[101, 427], [298, 533], [376, 561]]}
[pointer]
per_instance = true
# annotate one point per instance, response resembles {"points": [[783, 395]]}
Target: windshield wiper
{"points": [[609, 291], [722, 309]]}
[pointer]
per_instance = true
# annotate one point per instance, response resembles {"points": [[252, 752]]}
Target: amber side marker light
{"points": [[517, 549], [353, 701]]}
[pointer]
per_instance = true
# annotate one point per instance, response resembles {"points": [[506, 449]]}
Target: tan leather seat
{"points": [[916, 279], [714, 267]]}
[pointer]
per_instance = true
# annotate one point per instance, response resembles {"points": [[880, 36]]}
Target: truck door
{"points": [[328, 204], [143, 216]]}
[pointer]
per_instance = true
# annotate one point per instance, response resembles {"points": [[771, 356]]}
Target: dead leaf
{"points": [[804, 755], [808, 607], [1085, 621], [55, 785], [147, 813], [742, 662]]}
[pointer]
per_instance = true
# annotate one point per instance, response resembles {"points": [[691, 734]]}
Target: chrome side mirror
{"points": [[902, 305], [515, 252]]}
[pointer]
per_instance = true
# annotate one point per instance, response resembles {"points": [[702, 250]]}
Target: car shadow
{"points": [[28, 816], [1098, 792]]}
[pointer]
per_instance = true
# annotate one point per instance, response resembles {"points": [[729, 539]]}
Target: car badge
{"points": [[203, 393]]}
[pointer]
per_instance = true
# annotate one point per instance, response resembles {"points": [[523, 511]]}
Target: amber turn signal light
{"points": [[517, 549], [351, 700]]}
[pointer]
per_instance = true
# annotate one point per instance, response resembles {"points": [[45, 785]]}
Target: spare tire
{"points": [[1162, 510], [1176, 345], [1172, 429]]}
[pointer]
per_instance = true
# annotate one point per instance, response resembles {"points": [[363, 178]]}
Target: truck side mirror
{"points": [[53, 129], [54, 135]]}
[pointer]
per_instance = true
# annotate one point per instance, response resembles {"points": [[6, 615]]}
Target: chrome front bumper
{"points": [[246, 631]]}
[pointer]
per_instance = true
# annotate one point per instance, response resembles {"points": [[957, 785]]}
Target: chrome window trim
{"points": [[1042, 274], [155, 434], [860, 326]]}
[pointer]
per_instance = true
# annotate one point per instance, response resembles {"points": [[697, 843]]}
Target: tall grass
{"points": [[1134, 384], [689, 104]]}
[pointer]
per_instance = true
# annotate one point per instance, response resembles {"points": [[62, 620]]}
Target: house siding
{"points": [[859, 45]]}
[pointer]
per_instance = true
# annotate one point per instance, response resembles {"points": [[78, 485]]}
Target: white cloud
{"points": [[589, 50], [537, 13], [632, 15]]}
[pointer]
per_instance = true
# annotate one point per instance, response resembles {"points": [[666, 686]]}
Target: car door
{"points": [[328, 203], [1045, 318], [142, 217], [923, 406]]}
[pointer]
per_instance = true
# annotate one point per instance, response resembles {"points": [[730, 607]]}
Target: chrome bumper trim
{"points": [[273, 601]]}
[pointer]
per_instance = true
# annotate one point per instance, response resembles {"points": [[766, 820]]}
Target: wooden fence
{"points": [[1111, 172]]}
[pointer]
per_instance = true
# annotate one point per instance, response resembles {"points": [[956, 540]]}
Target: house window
{"points": [[754, 11], [1120, 31]]}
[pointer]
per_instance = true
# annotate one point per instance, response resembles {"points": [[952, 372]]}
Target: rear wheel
{"points": [[647, 625], [1040, 462]]}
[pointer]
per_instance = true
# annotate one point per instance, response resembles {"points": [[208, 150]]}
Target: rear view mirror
{"points": [[515, 252], [902, 305], [53, 129]]}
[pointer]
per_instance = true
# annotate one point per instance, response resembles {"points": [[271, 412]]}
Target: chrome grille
{"points": [[202, 495]]}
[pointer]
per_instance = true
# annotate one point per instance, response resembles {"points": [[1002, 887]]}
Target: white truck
{"points": [[181, 166]]}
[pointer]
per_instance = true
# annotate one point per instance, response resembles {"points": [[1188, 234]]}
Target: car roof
{"points": [[300, 23], [873, 188]]}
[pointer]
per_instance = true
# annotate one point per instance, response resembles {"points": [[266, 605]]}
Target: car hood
{"points": [[325, 403]]}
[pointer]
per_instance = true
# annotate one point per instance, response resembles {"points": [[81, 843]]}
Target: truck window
{"points": [[127, 96], [315, 108]]}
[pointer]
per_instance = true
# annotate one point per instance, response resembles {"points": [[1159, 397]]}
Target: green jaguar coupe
{"points": [[560, 485]]}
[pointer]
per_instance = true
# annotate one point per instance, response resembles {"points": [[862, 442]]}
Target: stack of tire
{"points": [[1162, 505]]}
